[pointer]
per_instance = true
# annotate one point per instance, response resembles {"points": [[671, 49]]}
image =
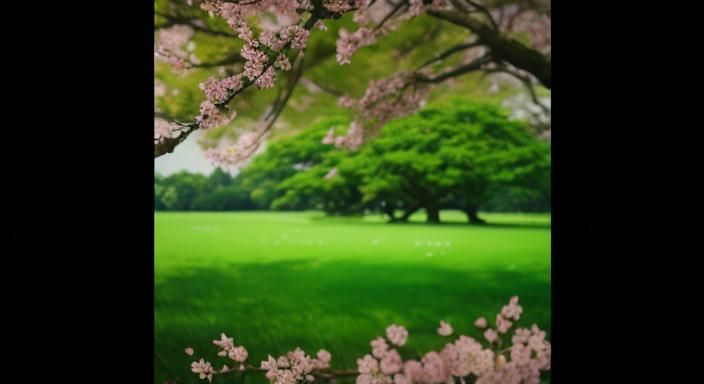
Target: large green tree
{"points": [[452, 155]]}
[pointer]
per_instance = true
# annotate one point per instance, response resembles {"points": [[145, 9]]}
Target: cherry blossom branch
{"points": [[392, 97], [463, 358], [177, 20], [475, 65], [167, 145], [442, 56], [248, 143], [389, 15], [503, 48], [485, 11]]}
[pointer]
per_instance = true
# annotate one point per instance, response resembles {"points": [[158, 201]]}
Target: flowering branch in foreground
{"points": [[464, 360], [266, 44]]}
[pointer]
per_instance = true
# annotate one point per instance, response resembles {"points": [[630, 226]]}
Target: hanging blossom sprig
{"points": [[395, 96], [263, 54], [266, 43], [465, 359], [174, 47]]}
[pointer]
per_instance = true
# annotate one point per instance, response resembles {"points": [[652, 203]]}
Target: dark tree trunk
{"points": [[390, 211], [433, 213], [472, 216], [407, 214]]}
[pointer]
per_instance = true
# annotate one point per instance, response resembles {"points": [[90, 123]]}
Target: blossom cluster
{"points": [[265, 53], [375, 21], [464, 358], [295, 366], [269, 27], [212, 116], [162, 130], [383, 100], [261, 53], [174, 47], [237, 154]]}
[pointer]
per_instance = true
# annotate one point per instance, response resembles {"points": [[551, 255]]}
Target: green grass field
{"points": [[274, 281]]}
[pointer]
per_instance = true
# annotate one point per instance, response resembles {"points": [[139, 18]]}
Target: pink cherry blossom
{"points": [[491, 335], [282, 62], [203, 369], [266, 80], [256, 60], [512, 310], [163, 129], [480, 322], [170, 46], [401, 379], [434, 369], [391, 363], [445, 329], [189, 351], [300, 38], [379, 347], [225, 342], [523, 362], [397, 334], [211, 116], [502, 325], [238, 354], [217, 90], [367, 365], [348, 43], [322, 360]]}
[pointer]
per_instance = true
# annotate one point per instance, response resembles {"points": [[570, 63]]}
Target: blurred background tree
{"points": [[450, 155]]}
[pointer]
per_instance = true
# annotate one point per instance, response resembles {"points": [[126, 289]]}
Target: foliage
{"points": [[453, 154], [426, 49]]}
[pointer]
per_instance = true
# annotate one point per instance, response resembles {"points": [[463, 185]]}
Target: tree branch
{"points": [[322, 87], [449, 52], [457, 71], [527, 82], [503, 48], [486, 13], [234, 59], [390, 14], [167, 145], [176, 20]]}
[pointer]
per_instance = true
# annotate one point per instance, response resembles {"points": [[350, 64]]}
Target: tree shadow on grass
{"points": [[336, 305], [444, 223], [488, 225]]}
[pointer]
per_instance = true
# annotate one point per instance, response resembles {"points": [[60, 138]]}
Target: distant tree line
{"points": [[455, 155]]}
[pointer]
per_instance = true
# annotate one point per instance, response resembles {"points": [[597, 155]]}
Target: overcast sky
{"points": [[187, 156]]}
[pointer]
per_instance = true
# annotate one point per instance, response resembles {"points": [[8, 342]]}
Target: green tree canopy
{"points": [[454, 154]]}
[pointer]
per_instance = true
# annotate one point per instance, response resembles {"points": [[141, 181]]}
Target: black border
{"points": [[625, 199], [78, 273], [78, 277]]}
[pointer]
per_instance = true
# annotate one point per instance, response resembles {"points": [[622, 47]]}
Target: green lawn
{"points": [[274, 281]]}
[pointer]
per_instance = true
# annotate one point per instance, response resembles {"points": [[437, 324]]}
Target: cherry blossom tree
{"points": [[504, 39]]}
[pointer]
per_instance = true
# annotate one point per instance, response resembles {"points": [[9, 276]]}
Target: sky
{"points": [[187, 156]]}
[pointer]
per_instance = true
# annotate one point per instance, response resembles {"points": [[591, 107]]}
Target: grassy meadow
{"points": [[274, 281]]}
